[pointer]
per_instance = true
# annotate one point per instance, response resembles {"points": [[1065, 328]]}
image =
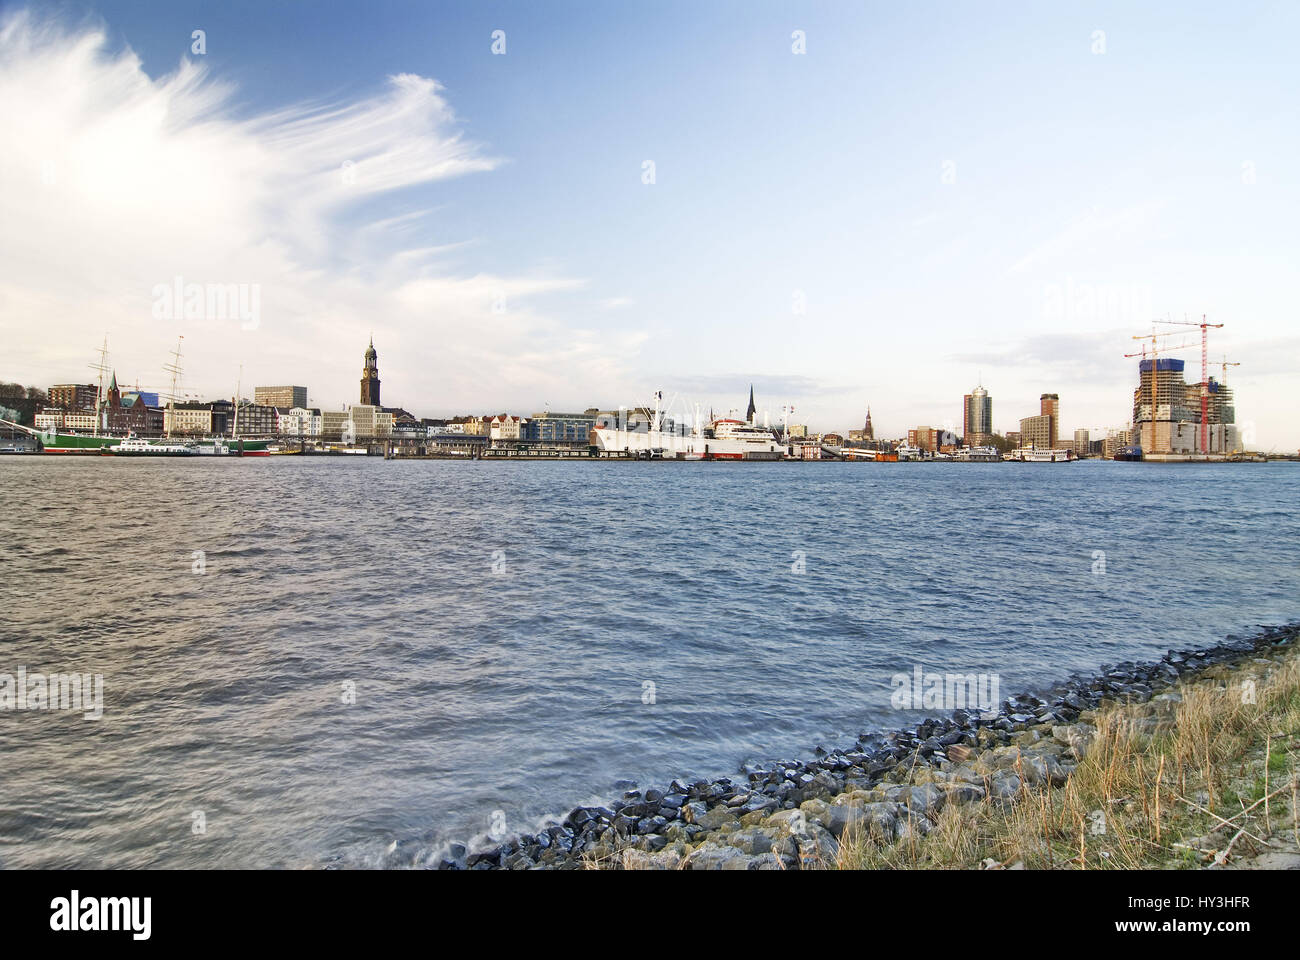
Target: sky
{"points": [[627, 198]]}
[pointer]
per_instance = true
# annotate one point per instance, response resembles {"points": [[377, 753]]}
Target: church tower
{"points": [[752, 411], [867, 432], [370, 376]]}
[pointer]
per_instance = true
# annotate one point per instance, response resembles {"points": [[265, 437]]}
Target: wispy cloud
{"points": [[113, 182]]}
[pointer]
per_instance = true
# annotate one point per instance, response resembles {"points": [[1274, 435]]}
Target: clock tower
{"points": [[370, 376]]}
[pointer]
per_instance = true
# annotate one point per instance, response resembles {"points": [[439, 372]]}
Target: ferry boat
{"points": [[979, 455], [1040, 455], [723, 439], [139, 447]]}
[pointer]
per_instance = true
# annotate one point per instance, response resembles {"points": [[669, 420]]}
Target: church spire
{"points": [[749, 414]]}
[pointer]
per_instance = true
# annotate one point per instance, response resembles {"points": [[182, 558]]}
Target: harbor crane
{"points": [[1205, 373]]}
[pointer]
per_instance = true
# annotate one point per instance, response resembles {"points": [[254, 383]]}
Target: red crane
{"points": [[1205, 374]]}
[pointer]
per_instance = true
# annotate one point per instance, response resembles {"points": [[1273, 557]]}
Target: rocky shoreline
{"points": [[792, 814]]}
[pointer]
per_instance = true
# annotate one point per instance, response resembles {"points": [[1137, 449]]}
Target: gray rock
{"points": [[712, 856]]}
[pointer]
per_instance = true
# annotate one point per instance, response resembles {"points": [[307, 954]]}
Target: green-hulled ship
{"points": [[84, 444]]}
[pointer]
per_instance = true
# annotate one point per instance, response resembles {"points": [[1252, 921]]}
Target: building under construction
{"points": [[1175, 427]]}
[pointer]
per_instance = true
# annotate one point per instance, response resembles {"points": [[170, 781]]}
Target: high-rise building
{"points": [[370, 377], [977, 417], [1049, 405], [284, 397]]}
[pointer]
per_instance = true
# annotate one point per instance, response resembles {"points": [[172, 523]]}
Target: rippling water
{"points": [[499, 621]]}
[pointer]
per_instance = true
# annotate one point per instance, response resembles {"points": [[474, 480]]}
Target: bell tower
{"points": [[370, 376]]}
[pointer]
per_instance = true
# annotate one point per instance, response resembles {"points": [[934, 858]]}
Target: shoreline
{"points": [[889, 786]]}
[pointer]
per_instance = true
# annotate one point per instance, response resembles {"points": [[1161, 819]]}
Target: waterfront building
{"points": [[977, 417], [560, 427], [369, 422], [299, 422], [128, 413], [256, 420], [72, 421], [369, 377], [188, 418], [1037, 432], [504, 427], [73, 396], [1173, 424], [334, 423], [1013, 438], [1049, 405], [800, 430], [284, 397], [1082, 445], [924, 438]]}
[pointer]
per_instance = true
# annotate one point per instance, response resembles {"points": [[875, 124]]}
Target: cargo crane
{"points": [[1205, 374], [1155, 389]]}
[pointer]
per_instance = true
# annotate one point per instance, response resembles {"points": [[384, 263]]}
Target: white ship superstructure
{"points": [[661, 438]]}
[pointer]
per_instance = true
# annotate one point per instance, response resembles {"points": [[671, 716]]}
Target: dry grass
{"points": [[1166, 784]]}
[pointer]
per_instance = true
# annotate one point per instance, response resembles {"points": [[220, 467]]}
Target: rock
{"points": [[719, 815], [925, 800], [752, 842], [712, 856], [962, 792], [694, 812], [1005, 786], [1077, 737]]}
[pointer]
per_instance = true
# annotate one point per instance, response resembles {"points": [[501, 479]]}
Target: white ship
{"points": [[1040, 455], [979, 454], [662, 439]]}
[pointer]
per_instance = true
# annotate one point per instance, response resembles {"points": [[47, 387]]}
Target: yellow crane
{"points": [[1155, 356]]}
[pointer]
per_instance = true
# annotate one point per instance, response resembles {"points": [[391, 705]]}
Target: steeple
{"points": [[370, 376], [867, 432], [749, 414]]}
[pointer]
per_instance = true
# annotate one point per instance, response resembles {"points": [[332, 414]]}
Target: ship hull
{"points": [[73, 444]]}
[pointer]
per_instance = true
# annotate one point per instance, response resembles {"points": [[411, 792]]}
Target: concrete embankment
{"points": [[1187, 761]]}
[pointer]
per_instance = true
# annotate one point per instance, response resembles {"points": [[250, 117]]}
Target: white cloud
{"points": [[113, 182]]}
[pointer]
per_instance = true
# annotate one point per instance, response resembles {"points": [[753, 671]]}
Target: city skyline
{"points": [[488, 214]]}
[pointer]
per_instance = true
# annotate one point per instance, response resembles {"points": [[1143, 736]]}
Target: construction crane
{"points": [[1155, 388], [1205, 373], [1225, 365]]}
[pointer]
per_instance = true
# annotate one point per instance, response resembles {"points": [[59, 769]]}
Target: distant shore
{"points": [[1136, 766]]}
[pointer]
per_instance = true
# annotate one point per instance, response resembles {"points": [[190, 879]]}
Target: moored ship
{"points": [[1040, 455], [660, 439]]}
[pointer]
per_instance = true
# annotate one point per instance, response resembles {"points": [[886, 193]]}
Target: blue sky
{"points": [[954, 192]]}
